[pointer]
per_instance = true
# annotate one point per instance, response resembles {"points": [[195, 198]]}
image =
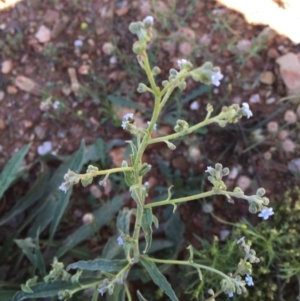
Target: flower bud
{"points": [[142, 88], [165, 82], [138, 47], [252, 208], [260, 192], [144, 169], [182, 85], [170, 145], [156, 70], [134, 27]]}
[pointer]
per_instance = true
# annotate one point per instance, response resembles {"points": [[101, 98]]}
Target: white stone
{"points": [[45, 148], [43, 34], [194, 105], [255, 98], [289, 66], [6, 66]]}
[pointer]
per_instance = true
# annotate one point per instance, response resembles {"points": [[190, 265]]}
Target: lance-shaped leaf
{"points": [[128, 175], [147, 221], [63, 201], [11, 169], [133, 150], [158, 278], [135, 195], [35, 192], [123, 220], [102, 217], [98, 264], [140, 296], [51, 289]]}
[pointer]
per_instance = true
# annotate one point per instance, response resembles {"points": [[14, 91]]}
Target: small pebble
{"points": [[288, 146], [11, 90], [43, 34], [290, 117], [45, 148], [40, 132], [194, 106], [7, 66], [78, 43], [255, 98], [2, 124], [2, 95]]}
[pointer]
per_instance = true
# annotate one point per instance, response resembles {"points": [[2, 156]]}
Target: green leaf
{"points": [[98, 264], [27, 245], [112, 249], [102, 217], [135, 195], [10, 171], [128, 175], [158, 278], [6, 295], [76, 163], [157, 245], [123, 220], [174, 231], [147, 227], [195, 93], [140, 296], [39, 257], [35, 192], [118, 294], [50, 289], [123, 102]]}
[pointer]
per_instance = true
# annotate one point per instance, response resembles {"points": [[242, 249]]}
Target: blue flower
{"points": [[100, 290], [230, 294], [120, 241], [265, 213], [249, 280]]}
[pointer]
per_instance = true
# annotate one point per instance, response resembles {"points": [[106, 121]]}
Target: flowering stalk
{"points": [[135, 171]]}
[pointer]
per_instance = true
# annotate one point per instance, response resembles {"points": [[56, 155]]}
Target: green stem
{"points": [[106, 171], [189, 263], [180, 200], [189, 130]]}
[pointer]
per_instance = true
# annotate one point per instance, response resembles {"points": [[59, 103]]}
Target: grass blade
{"points": [[10, 171]]}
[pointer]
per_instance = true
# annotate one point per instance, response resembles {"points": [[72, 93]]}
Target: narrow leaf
{"points": [[140, 296], [147, 227], [35, 192], [10, 171], [158, 278], [102, 217], [123, 220], [123, 102], [135, 195], [50, 289], [63, 200], [98, 264]]}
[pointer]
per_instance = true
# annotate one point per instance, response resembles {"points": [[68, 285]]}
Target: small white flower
{"points": [[230, 294], [56, 105], [265, 213], [124, 123], [216, 77], [100, 290], [249, 280], [181, 63], [120, 241], [128, 116], [240, 240], [154, 128], [247, 110], [63, 187], [209, 169], [149, 20]]}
